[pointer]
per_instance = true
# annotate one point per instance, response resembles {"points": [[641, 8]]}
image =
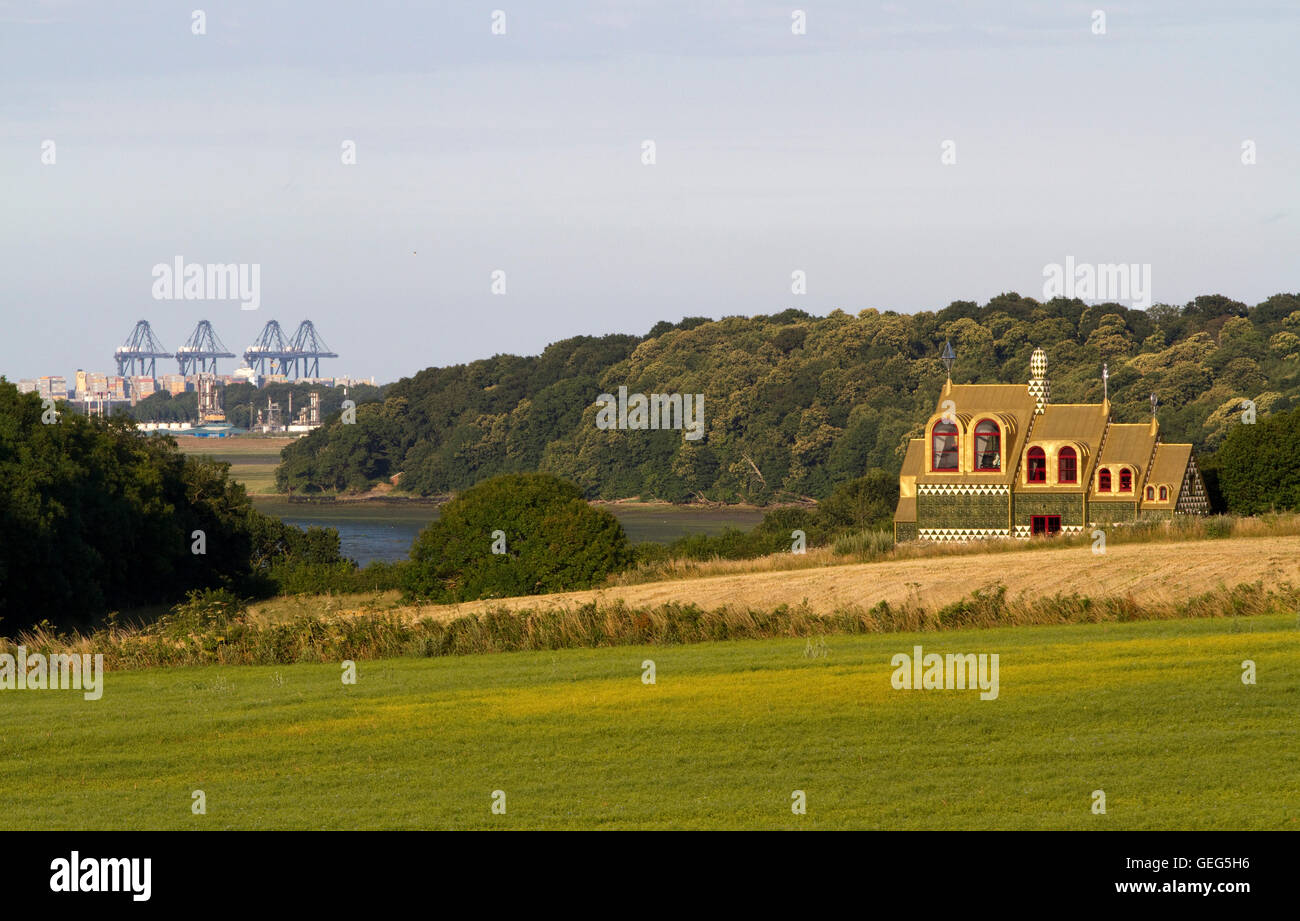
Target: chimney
{"points": [[1039, 387]]}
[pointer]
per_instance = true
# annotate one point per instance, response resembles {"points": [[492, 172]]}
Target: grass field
{"points": [[1153, 713], [252, 459]]}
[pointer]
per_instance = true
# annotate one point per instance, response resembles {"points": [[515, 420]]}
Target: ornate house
{"points": [[1001, 460]]}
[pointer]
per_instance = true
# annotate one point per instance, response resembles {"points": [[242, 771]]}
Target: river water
{"points": [[380, 531]]}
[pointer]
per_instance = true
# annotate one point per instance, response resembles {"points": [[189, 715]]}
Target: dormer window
{"points": [[1126, 480], [1067, 466], [1037, 465], [988, 446], [943, 447], [1164, 493], [1151, 494], [1103, 481]]}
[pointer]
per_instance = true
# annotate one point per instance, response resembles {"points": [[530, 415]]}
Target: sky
{"points": [[523, 153]]}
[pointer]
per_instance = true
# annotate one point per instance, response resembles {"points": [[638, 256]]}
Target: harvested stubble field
{"points": [[1154, 572]]}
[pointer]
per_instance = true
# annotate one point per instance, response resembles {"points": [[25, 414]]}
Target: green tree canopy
{"points": [[96, 517], [516, 534], [1257, 465]]}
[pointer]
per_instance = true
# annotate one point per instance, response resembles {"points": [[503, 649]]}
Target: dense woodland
{"points": [[796, 404], [96, 517]]}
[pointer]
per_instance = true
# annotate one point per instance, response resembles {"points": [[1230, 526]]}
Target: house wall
{"points": [[1100, 512], [1068, 505], [1156, 514], [961, 511]]}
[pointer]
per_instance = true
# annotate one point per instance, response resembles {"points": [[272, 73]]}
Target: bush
{"points": [[553, 541], [870, 545], [202, 610], [1257, 470], [865, 503], [649, 552], [295, 577]]}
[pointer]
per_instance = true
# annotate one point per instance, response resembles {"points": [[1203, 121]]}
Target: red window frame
{"points": [[1067, 454], [983, 432], [1126, 480], [944, 430], [1103, 482], [1151, 494], [1036, 468], [1044, 524], [1164, 493]]}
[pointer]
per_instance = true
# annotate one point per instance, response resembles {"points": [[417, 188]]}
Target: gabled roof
{"points": [[1083, 422], [915, 457], [1129, 444], [912, 463], [1169, 466], [972, 400]]}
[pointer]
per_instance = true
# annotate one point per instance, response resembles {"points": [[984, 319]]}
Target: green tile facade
{"points": [[1069, 507], [961, 511]]}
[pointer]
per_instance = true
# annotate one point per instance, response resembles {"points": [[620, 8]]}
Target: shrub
{"points": [[1257, 465], [202, 610], [649, 552], [315, 638], [295, 577], [867, 502], [868, 544], [553, 541]]}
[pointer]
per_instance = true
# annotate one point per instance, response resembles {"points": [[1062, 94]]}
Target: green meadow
{"points": [[1153, 713], [252, 458]]}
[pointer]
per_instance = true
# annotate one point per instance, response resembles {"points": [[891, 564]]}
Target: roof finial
{"points": [[1039, 388], [1105, 382], [948, 357], [1155, 401]]}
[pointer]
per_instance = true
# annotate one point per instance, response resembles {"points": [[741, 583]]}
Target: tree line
{"points": [[796, 404], [95, 517]]}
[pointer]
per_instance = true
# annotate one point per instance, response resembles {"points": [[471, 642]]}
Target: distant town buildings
{"points": [[273, 359], [116, 388]]}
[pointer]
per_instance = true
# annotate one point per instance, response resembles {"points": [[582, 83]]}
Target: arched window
{"points": [[1126, 480], [1037, 466], [944, 446], [1103, 481], [1164, 493], [988, 446], [1151, 493], [1067, 466]]}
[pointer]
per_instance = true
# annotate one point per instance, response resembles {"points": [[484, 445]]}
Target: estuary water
{"points": [[382, 531]]}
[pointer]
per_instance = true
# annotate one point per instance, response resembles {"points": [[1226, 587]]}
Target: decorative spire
{"points": [[1105, 382], [948, 357], [1039, 388]]}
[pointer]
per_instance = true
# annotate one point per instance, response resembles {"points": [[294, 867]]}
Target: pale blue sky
{"points": [[521, 152]]}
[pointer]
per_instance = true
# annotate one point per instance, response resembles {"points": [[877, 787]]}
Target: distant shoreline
{"points": [[648, 505]]}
